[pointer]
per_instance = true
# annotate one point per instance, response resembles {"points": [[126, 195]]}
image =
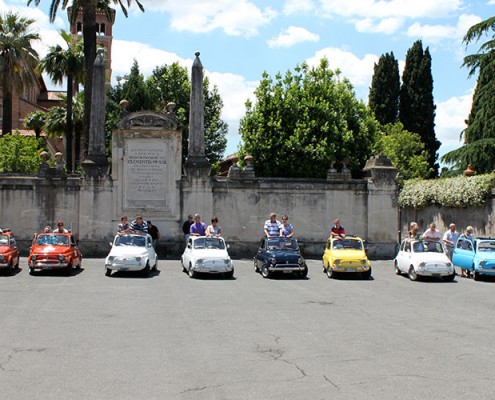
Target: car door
{"points": [[76, 254], [13, 249], [404, 256], [151, 251], [261, 253], [186, 257], [463, 253]]}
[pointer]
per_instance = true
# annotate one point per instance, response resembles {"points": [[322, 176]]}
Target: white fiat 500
{"points": [[423, 258], [207, 254], [131, 252]]}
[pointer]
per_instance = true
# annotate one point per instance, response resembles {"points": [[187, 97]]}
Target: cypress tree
{"points": [[385, 88], [416, 107]]}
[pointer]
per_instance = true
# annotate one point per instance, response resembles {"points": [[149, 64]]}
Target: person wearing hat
{"points": [[60, 228], [450, 239]]}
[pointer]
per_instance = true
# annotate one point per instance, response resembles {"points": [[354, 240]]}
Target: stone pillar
{"points": [[197, 164], [382, 206], [96, 163]]}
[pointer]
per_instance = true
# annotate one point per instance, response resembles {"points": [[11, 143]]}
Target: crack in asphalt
{"points": [[200, 388], [277, 355], [321, 303], [15, 351], [333, 384]]}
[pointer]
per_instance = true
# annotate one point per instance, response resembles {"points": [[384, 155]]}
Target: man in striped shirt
{"points": [[272, 226], [139, 225]]}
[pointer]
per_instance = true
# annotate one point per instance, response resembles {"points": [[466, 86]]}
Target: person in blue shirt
{"points": [[139, 225], [198, 228], [272, 226]]}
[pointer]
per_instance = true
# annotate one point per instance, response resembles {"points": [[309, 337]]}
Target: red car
{"points": [[54, 251], [9, 254]]}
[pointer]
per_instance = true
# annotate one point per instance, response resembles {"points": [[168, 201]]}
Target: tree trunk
{"points": [[89, 36], [68, 128], [7, 104]]}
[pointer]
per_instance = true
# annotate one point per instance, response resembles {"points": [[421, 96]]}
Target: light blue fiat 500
{"points": [[477, 256]]}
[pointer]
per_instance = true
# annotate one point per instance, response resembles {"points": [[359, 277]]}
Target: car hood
{"points": [[49, 249], [430, 257], [486, 256], [210, 253], [128, 251], [4, 249], [349, 254], [284, 254]]}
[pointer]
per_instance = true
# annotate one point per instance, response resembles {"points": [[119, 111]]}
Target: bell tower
{"points": [[103, 36]]}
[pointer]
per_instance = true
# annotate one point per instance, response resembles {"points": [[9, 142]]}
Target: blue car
{"points": [[477, 256], [279, 254]]}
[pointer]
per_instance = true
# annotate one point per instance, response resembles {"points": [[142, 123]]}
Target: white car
{"points": [[131, 252], [207, 254], [423, 258]]}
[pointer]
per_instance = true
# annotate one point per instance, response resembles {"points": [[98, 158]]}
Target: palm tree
{"points": [[89, 8], [60, 63], [35, 121], [17, 60]]}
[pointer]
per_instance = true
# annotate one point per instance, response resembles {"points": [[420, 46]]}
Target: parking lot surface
{"points": [[167, 336]]}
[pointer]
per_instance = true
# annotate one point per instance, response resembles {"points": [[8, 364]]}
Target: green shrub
{"points": [[460, 191], [19, 154]]}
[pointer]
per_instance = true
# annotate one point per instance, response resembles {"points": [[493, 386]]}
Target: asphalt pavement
{"points": [[167, 336]]}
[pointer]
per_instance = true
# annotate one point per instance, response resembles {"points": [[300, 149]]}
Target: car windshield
{"points": [[53, 240], [129, 240], [348, 244], [487, 246], [4, 240], [427, 247], [282, 244], [209, 243]]}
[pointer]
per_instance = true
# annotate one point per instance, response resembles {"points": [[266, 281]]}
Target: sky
{"points": [[240, 39]]}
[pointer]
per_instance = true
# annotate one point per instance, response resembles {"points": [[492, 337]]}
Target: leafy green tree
{"points": [[89, 9], [61, 63], [479, 136], [35, 121], [405, 150], [17, 61], [305, 121], [416, 107], [20, 154], [385, 89], [135, 90]]}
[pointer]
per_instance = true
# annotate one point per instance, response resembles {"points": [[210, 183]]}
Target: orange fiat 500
{"points": [[54, 251], [9, 254]]}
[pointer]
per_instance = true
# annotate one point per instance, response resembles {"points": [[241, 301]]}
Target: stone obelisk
{"points": [[96, 162], [196, 158]]}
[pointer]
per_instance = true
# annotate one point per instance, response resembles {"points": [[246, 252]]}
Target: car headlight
{"points": [[33, 257], [61, 257], [421, 264], [449, 265], [199, 262], [300, 261], [2, 257], [363, 261], [336, 262], [273, 261], [482, 263], [138, 258], [226, 261]]}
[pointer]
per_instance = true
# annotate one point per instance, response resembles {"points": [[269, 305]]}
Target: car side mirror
{"points": [[111, 244], [228, 246], [189, 245]]}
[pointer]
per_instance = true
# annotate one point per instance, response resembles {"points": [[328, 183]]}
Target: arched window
{"points": [[79, 27]]}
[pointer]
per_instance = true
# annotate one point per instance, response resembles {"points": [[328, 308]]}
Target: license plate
{"points": [[435, 274], [47, 267], [124, 269], [350, 270], [287, 272]]}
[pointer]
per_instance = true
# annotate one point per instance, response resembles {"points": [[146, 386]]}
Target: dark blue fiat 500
{"points": [[280, 254]]}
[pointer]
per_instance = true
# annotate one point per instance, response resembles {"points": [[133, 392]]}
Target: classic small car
{"points": [[423, 258], [9, 254], [131, 252], [280, 254], [54, 251], [478, 257], [346, 256], [207, 254]]}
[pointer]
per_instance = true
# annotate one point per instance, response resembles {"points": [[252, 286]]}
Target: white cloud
{"points": [[449, 121], [386, 25], [391, 8], [358, 70], [234, 17], [298, 6], [434, 33], [293, 35]]}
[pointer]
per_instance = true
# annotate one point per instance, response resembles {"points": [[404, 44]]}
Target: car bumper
{"points": [[4, 264], [213, 269], [120, 266], [356, 269], [485, 271], [286, 268], [42, 264], [434, 271]]}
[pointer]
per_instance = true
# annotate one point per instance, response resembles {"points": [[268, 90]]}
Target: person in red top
{"points": [[337, 230]]}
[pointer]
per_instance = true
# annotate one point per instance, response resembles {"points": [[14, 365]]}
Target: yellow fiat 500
{"points": [[346, 255]]}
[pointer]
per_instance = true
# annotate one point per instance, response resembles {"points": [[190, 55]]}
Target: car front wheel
{"points": [[256, 269], [68, 269], [265, 272], [146, 270], [412, 274], [304, 273], [230, 274], [331, 273], [397, 269], [476, 276], [108, 272], [366, 275], [192, 273]]}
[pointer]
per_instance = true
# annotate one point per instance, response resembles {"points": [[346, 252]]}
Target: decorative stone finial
{"points": [[58, 157], [197, 54], [469, 171], [44, 156]]}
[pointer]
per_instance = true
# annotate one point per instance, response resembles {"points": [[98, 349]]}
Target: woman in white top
{"points": [[214, 229]]}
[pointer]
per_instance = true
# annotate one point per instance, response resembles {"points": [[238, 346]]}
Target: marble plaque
{"points": [[145, 174]]}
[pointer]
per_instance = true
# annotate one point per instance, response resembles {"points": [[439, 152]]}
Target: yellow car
{"points": [[346, 255]]}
